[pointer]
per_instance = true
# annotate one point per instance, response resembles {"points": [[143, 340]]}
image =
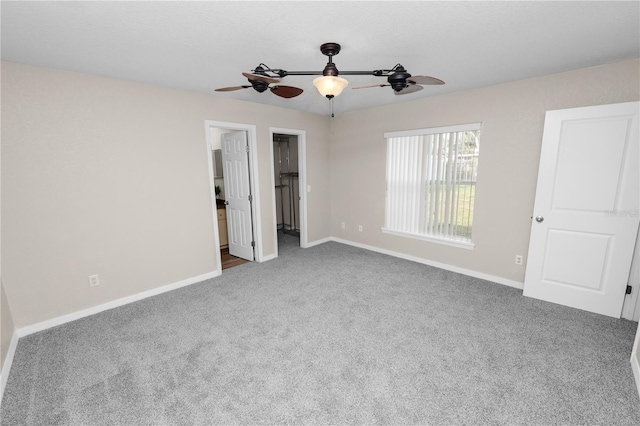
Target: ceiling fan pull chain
{"points": [[331, 102]]}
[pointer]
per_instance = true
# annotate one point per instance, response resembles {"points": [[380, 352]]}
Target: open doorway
{"points": [[235, 212], [290, 189], [286, 175]]}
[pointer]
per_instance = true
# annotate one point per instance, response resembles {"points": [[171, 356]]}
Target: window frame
{"points": [[475, 127]]}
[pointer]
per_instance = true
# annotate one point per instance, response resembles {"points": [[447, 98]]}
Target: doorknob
{"points": [[226, 203], [539, 219]]}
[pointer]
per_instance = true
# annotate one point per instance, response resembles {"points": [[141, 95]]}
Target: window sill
{"points": [[455, 243]]}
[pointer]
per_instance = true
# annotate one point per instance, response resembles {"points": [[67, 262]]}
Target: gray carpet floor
{"points": [[332, 334]]}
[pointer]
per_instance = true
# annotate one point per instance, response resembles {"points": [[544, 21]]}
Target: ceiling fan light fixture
{"points": [[330, 86]]}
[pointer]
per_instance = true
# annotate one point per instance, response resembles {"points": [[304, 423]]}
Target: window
{"points": [[431, 183]]}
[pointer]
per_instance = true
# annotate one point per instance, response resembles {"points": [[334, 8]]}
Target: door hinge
{"points": [[250, 197], [629, 289], [246, 148], [253, 243]]}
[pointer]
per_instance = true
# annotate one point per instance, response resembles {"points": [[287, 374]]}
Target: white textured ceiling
{"points": [[199, 46]]}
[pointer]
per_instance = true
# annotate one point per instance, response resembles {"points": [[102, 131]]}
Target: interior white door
{"points": [[586, 208], [235, 159]]}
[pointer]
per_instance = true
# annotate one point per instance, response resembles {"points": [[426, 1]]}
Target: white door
{"points": [[235, 159], [585, 217]]}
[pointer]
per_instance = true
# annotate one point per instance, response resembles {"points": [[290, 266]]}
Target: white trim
{"points": [[318, 242], [635, 364], [269, 257], [469, 245], [212, 194], [631, 305], [302, 182], [44, 325], [6, 366], [254, 183], [433, 130], [463, 271], [274, 210], [253, 174]]}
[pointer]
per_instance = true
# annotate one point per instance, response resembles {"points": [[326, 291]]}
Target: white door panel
{"points": [[586, 208], [583, 182], [585, 268], [235, 160]]}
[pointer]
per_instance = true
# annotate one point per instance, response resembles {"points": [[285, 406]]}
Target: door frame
{"points": [[302, 182], [631, 306], [635, 363], [254, 184]]}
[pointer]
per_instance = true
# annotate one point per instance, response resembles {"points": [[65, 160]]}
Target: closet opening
{"points": [[287, 188], [290, 189]]}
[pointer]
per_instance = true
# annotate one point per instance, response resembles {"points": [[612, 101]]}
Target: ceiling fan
{"points": [[330, 84], [402, 82], [261, 81]]}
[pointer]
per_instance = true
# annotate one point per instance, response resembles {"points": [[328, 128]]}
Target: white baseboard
{"points": [[34, 328], [635, 364], [318, 242], [267, 258], [463, 271], [6, 366], [44, 325]]}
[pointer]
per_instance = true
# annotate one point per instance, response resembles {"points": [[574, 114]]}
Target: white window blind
{"points": [[431, 175]]}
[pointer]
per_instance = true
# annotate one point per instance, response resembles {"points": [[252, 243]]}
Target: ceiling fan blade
{"points": [[258, 77], [425, 79], [411, 88], [286, 91], [231, 89], [372, 85]]}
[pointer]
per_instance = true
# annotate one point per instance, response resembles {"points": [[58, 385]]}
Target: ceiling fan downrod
{"points": [[330, 50]]}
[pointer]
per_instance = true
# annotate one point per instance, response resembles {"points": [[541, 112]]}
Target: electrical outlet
{"points": [[342, 225], [360, 228], [94, 281], [518, 259]]}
